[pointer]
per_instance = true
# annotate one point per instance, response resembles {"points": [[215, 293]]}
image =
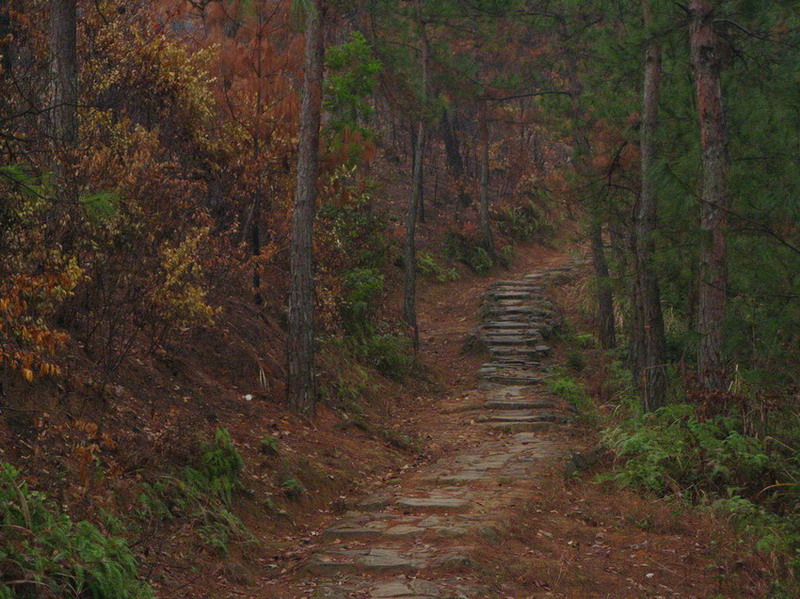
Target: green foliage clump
{"points": [[203, 494], [389, 354], [672, 450], [43, 552], [293, 488], [362, 288], [269, 445], [429, 267], [219, 474], [465, 249], [352, 78], [712, 461], [523, 222], [570, 389]]}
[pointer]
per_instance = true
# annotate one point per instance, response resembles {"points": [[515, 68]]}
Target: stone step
{"points": [[514, 380], [518, 404], [464, 477], [523, 427], [509, 340], [343, 532], [507, 368], [510, 350], [506, 294], [434, 504], [513, 416], [512, 311], [515, 284], [516, 361], [526, 331], [506, 325], [363, 560]]}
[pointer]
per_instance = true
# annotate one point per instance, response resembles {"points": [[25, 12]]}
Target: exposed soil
{"points": [[489, 512], [525, 531]]}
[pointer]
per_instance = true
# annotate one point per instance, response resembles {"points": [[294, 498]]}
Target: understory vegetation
{"points": [[739, 461], [44, 553], [217, 218]]}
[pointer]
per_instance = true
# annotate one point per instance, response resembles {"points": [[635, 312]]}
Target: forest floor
{"points": [[488, 509]]}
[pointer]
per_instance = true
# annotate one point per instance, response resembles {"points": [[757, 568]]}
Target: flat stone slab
{"points": [[351, 533], [517, 427], [434, 503], [403, 530], [518, 404], [464, 477], [506, 325], [514, 380], [405, 589], [388, 560], [525, 416]]}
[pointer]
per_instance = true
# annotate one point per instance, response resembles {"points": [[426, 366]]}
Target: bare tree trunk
{"points": [[5, 32], [420, 186], [605, 297], [648, 297], [454, 162], [486, 226], [255, 230], [300, 386], [255, 247], [63, 115], [410, 262], [713, 222]]}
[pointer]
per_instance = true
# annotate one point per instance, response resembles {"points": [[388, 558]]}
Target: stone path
{"points": [[418, 539]]}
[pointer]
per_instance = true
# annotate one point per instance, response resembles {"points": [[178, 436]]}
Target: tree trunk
{"points": [[64, 72], [63, 114], [5, 32], [605, 297], [648, 296], [454, 162], [410, 262], [713, 222], [300, 346], [420, 186], [485, 224], [255, 247]]}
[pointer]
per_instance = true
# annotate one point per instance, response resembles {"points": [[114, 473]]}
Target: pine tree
{"points": [[648, 296], [707, 65], [300, 343]]}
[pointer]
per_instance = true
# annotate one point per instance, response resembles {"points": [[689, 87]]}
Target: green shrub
{"points": [[269, 445], [523, 222], [220, 468], [586, 341], [429, 267], [362, 288], [570, 389], [389, 354], [293, 488], [220, 527], [468, 251], [44, 553], [671, 450], [203, 494]]}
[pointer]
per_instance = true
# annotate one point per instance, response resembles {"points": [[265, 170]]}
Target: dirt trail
{"points": [[418, 536], [491, 514]]}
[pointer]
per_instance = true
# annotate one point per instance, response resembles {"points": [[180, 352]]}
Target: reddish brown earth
{"points": [[539, 534]]}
